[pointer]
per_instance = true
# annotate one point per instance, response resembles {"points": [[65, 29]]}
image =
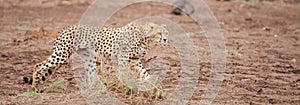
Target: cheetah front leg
{"points": [[46, 68], [137, 65]]}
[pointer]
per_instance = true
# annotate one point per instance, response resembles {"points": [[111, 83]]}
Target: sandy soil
{"points": [[262, 42]]}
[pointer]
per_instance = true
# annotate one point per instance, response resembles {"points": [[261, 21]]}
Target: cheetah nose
{"points": [[165, 40]]}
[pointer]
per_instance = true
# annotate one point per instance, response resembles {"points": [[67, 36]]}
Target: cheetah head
{"points": [[157, 33]]}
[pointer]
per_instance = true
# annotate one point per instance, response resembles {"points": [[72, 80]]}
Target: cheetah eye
{"points": [[160, 34]]}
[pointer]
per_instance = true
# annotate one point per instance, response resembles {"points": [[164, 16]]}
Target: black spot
{"points": [[90, 65], [50, 72], [46, 74], [43, 78]]}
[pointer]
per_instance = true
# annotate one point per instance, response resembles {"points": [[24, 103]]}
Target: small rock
{"points": [[177, 11], [272, 101], [12, 94], [248, 19], [266, 28], [229, 10], [249, 14], [275, 36], [297, 31], [6, 103], [260, 91], [288, 66], [66, 2], [294, 60], [236, 30], [294, 84], [242, 5], [3, 55]]}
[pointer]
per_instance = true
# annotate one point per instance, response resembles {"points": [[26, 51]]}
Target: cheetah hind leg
{"points": [[88, 56]]}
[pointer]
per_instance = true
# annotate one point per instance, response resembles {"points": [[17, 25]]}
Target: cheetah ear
{"points": [[151, 26]]}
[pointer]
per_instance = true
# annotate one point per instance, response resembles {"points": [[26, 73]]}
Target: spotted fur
{"points": [[136, 38]]}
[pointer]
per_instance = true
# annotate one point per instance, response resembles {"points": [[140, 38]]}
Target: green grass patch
{"points": [[24, 28], [240, 41], [57, 85], [232, 52], [29, 94], [196, 33], [111, 84], [250, 2]]}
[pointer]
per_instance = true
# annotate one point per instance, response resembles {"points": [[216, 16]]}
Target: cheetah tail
{"points": [[27, 80]]}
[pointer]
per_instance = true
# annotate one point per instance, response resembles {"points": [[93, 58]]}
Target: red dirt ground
{"points": [[262, 42]]}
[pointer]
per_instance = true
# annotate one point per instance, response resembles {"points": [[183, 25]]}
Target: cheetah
{"points": [[105, 41]]}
